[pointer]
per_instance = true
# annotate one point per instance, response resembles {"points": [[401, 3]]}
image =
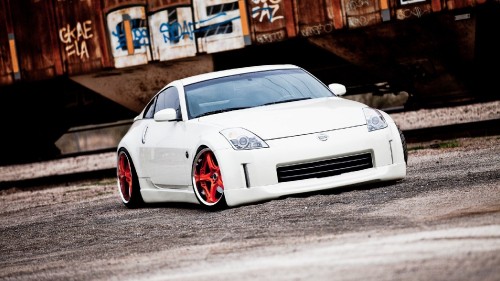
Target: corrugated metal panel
{"points": [[459, 4], [360, 13], [155, 5], [317, 17], [110, 5], [436, 5], [271, 20], [82, 36], [36, 39], [218, 25], [171, 29], [6, 41]]}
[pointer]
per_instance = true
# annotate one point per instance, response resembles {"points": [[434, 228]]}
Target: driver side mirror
{"points": [[167, 114]]}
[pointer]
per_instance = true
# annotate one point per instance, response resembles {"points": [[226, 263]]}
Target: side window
{"points": [[150, 109], [169, 99]]}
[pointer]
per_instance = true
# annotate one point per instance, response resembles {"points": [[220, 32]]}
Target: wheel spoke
{"points": [[211, 163], [206, 189], [207, 178]]}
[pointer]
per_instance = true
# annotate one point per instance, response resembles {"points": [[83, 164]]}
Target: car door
{"points": [[164, 150]]}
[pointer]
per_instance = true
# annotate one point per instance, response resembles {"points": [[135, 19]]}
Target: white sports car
{"points": [[245, 135]]}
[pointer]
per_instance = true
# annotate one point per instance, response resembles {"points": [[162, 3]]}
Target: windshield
{"points": [[251, 90]]}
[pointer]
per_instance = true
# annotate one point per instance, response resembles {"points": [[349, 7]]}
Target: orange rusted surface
{"points": [[6, 35], [271, 21], [156, 5], [110, 5], [36, 39], [81, 37]]}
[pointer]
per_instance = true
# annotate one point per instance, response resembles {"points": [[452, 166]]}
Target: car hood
{"points": [[293, 118]]}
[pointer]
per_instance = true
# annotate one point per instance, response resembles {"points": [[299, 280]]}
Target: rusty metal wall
{"points": [[8, 56], [82, 36], [41, 39], [361, 13], [36, 39], [318, 17], [110, 5], [155, 5], [271, 20]]}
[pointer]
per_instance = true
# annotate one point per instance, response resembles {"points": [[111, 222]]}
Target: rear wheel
{"points": [[207, 180], [128, 183]]}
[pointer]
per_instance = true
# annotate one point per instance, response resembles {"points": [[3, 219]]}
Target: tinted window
{"points": [[252, 89], [169, 98]]}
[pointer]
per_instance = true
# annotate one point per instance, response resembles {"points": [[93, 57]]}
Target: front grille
{"points": [[325, 168]]}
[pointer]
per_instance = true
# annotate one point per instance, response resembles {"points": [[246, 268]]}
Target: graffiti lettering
{"points": [[354, 4], [140, 34], [173, 32], [75, 39], [414, 12], [358, 21], [316, 30], [270, 37], [266, 9]]}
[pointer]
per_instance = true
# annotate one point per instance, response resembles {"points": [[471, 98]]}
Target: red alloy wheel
{"points": [[207, 178], [125, 176]]}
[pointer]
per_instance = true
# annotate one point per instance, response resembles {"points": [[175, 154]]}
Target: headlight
{"points": [[241, 139], [374, 119]]}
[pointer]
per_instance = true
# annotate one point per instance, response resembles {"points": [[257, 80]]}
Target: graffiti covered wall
{"points": [[172, 33], [77, 37], [129, 36]]}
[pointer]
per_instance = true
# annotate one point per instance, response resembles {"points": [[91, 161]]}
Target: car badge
{"points": [[323, 137]]}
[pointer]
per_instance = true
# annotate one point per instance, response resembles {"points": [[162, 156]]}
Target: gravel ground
{"points": [[425, 118], [442, 222]]}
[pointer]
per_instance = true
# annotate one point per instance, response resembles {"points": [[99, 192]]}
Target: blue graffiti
{"points": [[140, 34], [174, 31]]}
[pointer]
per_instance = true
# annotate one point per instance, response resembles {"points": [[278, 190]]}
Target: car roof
{"points": [[234, 71]]}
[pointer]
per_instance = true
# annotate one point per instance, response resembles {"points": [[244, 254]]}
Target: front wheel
{"points": [[128, 183], [207, 180], [403, 142]]}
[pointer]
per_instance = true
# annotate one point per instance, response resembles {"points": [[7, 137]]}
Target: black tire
{"points": [[403, 142], [208, 185], [128, 182]]}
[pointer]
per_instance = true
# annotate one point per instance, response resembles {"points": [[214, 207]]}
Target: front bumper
{"points": [[250, 176]]}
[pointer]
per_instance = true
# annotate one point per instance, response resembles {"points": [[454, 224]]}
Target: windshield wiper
{"points": [[283, 101], [221, 110]]}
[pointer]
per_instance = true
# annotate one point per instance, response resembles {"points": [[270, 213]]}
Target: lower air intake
{"points": [[325, 168]]}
